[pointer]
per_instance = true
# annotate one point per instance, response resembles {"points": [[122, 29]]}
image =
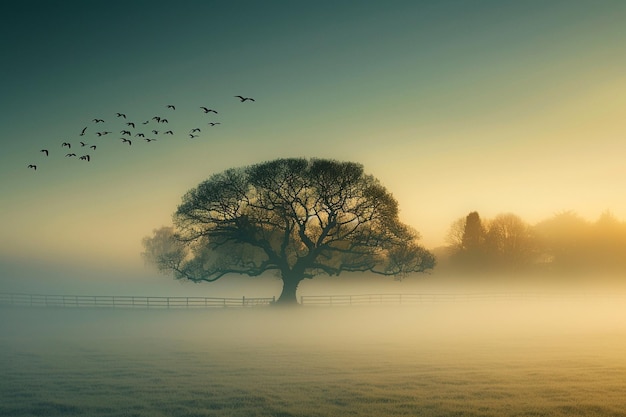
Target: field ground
{"points": [[492, 359]]}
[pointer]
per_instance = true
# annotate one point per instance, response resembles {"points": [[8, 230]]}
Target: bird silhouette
{"points": [[44, 151], [195, 130], [126, 140], [163, 121], [146, 122], [207, 110], [157, 118], [85, 158], [125, 132], [215, 123], [169, 132], [141, 135], [83, 144], [70, 154], [242, 99], [193, 136], [33, 166], [149, 140], [156, 132], [171, 106], [98, 120], [120, 115], [66, 144], [82, 133], [93, 147], [131, 124]]}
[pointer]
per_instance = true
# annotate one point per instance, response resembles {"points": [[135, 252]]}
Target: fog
{"points": [[437, 321], [500, 355]]}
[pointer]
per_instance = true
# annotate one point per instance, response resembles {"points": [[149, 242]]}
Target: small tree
{"points": [[473, 233], [298, 217], [510, 241]]}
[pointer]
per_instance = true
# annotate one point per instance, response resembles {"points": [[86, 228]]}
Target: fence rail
{"points": [[408, 299], [126, 301]]}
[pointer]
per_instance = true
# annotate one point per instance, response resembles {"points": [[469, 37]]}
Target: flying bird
{"points": [[83, 144], [207, 110], [242, 99], [121, 115], [157, 118], [193, 136], [85, 158], [149, 140], [33, 167], [146, 122], [195, 130], [215, 123], [156, 132], [169, 132], [93, 147], [44, 151], [163, 121], [131, 124], [82, 133], [66, 144], [70, 154], [171, 106], [141, 135], [98, 120], [125, 132], [126, 140]]}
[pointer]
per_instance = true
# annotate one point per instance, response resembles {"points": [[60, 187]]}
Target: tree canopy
{"points": [[298, 217]]}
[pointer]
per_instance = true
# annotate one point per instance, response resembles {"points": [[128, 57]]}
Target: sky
{"points": [[455, 106]]}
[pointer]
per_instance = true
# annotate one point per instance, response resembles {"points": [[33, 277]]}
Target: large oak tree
{"points": [[298, 217]]}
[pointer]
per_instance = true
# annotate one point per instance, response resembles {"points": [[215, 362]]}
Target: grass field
{"points": [[547, 358]]}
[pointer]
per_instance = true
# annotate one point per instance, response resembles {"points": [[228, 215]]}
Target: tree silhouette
{"points": [[509, 241], [300, 218], [473, 233]]}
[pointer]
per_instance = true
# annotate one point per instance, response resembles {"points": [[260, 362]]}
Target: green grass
{"points": [[439, 360]]}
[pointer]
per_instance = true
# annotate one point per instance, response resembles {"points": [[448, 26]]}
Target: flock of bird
{"points": [[131, 131]]}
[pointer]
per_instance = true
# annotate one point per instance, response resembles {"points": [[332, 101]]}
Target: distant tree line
{"points": [[563, 243]]}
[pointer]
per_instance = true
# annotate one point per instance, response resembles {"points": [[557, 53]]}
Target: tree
{"points": [[300, 218], [473, 233], [466, 238], [564, 240], [454, 237], [509, 240]]}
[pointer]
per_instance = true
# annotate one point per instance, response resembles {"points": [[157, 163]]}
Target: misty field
{"points": [[501, 358]]}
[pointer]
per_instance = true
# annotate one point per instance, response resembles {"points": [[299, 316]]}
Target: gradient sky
{"points": [[495, 106]]}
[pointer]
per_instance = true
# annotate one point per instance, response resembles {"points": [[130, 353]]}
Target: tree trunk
{"points": [[288, 296]]}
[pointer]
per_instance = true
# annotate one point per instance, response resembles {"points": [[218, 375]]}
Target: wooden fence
{"points": [[408, 299], [126, 301]]}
